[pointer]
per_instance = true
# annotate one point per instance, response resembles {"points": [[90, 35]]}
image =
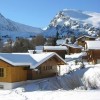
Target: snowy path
{"points": [[52, 95], [63, 95]]}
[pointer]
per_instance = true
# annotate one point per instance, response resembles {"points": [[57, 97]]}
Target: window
{"points": [[1, 72], [47, 67], [44, 67], [1, 87]]}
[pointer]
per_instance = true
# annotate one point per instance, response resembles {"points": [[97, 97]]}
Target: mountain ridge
{"points": [[9, 25]]}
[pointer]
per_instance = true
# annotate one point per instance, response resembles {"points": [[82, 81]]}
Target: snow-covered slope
{"points": [[8, 26], [74, 22], [25, 28]]}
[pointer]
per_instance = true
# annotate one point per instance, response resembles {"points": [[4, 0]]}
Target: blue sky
{"points": [[39, 13]]}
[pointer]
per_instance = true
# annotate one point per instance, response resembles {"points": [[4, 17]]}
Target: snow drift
{"points": [[91, 78]]}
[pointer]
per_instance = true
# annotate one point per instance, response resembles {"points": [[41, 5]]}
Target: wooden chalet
{"points": [[93, 51], [16, 69], [73, 48], [60, 50], [81, 40]]}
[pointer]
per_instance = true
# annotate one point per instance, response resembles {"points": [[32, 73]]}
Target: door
{"points": [[29, 75], [98, 61]]}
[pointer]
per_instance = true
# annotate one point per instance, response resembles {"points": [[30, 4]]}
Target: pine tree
{"points": [[1, 43], [57, 35], [73, 39]]}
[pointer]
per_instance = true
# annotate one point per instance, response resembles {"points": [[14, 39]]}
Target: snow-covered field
{"points": [[80, 83], [50, 95]]}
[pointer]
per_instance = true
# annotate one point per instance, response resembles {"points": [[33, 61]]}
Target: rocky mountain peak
{"points": [[73, 22]]}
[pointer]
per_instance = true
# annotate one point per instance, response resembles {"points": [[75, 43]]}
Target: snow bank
{"points": [[66, 82], [76, 77], [91, 78]]}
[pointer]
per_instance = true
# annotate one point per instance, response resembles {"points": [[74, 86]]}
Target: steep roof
{"points": [[55, 48], [42, 57], [93, 45], [27, 59]]}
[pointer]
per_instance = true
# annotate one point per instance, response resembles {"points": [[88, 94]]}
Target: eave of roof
{"points": [[85, 36], [74, 46], [55, 48], [51, 55]]}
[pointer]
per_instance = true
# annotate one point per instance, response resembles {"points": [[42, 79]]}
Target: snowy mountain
{"points": [[74, 22], [67, 22], [11, 28]]}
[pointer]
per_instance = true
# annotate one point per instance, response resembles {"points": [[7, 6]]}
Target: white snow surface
{"points": [[62, 41], [17, 59], [92, 78], [87, 16], [49, 95], [55, 48], [76, 14], [93, 45], [76, 55]]}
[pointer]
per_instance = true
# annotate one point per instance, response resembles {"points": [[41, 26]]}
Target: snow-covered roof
{"points": [[55, 48], [62, 41], [97, 39], [85, 36], [36, 51], [18, 59], [39, 47], [74, 46], [27, 59], [93, 45], [76, 55], [42, 57]]}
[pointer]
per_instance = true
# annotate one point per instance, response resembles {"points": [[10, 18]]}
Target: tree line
{"points": [[24, 44]]}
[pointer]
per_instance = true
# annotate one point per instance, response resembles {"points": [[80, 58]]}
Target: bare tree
{"points": [[22, 45], [38, 40]]}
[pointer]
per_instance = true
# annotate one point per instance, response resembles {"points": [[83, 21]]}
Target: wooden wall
{"points": [[93, 56], [61, 53], [12, 73], [82, 40], [82, 43], [45, 71], [73, 50]]}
